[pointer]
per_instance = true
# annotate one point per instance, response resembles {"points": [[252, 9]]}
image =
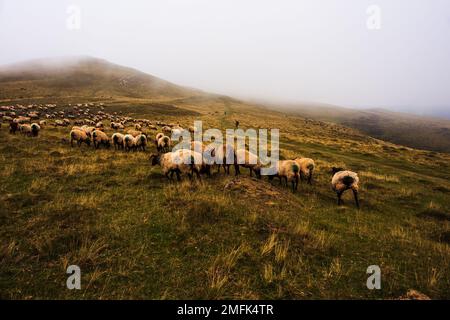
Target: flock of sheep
{"points": [[88, 128]]}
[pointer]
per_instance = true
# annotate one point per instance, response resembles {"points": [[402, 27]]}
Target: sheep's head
{"points": [[154, 159], [335, 170]]}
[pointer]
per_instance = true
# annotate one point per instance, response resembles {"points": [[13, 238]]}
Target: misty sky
{"points": [[315, 50]]}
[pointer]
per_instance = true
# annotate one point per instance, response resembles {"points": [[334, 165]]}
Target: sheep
{"points": [[251, 162], [118, 140], [140, 142], [79, 136], [344, 180], [43, 123], [228, 156], [180, 161], [117, 126], [25, 129], [59, 123], [164, 144], [100, 138], [99, 125], [35, 128], [13, 127], [289, 170], [158, 136], [129, 142], [137, 127], [166, 129], [307, 166], [134, 133]]}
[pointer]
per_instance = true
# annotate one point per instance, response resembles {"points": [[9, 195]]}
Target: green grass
{"points": [[136, 235]]}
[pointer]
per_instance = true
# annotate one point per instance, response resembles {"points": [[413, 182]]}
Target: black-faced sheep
{"points": [[179, 162], [140, 142], [289, 170], [129, 142], [249, 160], [307, 166], [164, 144], [344, 180], [100, 138], [79, 136], [35, 129], [118, 140]]}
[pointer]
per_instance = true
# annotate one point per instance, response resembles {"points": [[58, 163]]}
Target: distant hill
{"points": [[85, 77], [414, 131]]}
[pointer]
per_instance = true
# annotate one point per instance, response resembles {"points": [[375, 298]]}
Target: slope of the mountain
{"points": [[401, 128], [83, 77]]}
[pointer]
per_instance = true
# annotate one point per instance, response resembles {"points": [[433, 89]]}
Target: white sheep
{"points": [[118, 140], [289, 170], [344, 180], [249, 160], [129, 142], [35, 129], [100, 138], [79, 136], [181, 161], [140, 142], [307, 166], [164, 144]]}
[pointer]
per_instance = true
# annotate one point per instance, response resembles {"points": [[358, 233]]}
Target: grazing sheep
{"points": [[25, 129], [140, 142], [166, 129], [59, 123], [344, 180], [35, 128], [288, 170], [137, 127], [118, 141], [100, 138], [43, 123], [129, 142], [158, 136], [180, 161], [224, 153], [13, 127], [134, 133], [164, 144], [117, 126], [79, 136], [251, 162], [307, 166], [99, 125]]}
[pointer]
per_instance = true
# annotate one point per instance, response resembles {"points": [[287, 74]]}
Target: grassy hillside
{"points": [[410, 130], [135, 235], [82, 77]]}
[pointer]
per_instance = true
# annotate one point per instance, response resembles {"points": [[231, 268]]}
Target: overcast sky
{"points": [[299, 50]]}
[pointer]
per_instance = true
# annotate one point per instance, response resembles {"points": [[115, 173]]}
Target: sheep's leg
{"points": [[339, 195], [178, 175], [293, 186], [296, 183], [251, 172], [310, 178], [355, 194], [71, 142], [301, 176]]}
